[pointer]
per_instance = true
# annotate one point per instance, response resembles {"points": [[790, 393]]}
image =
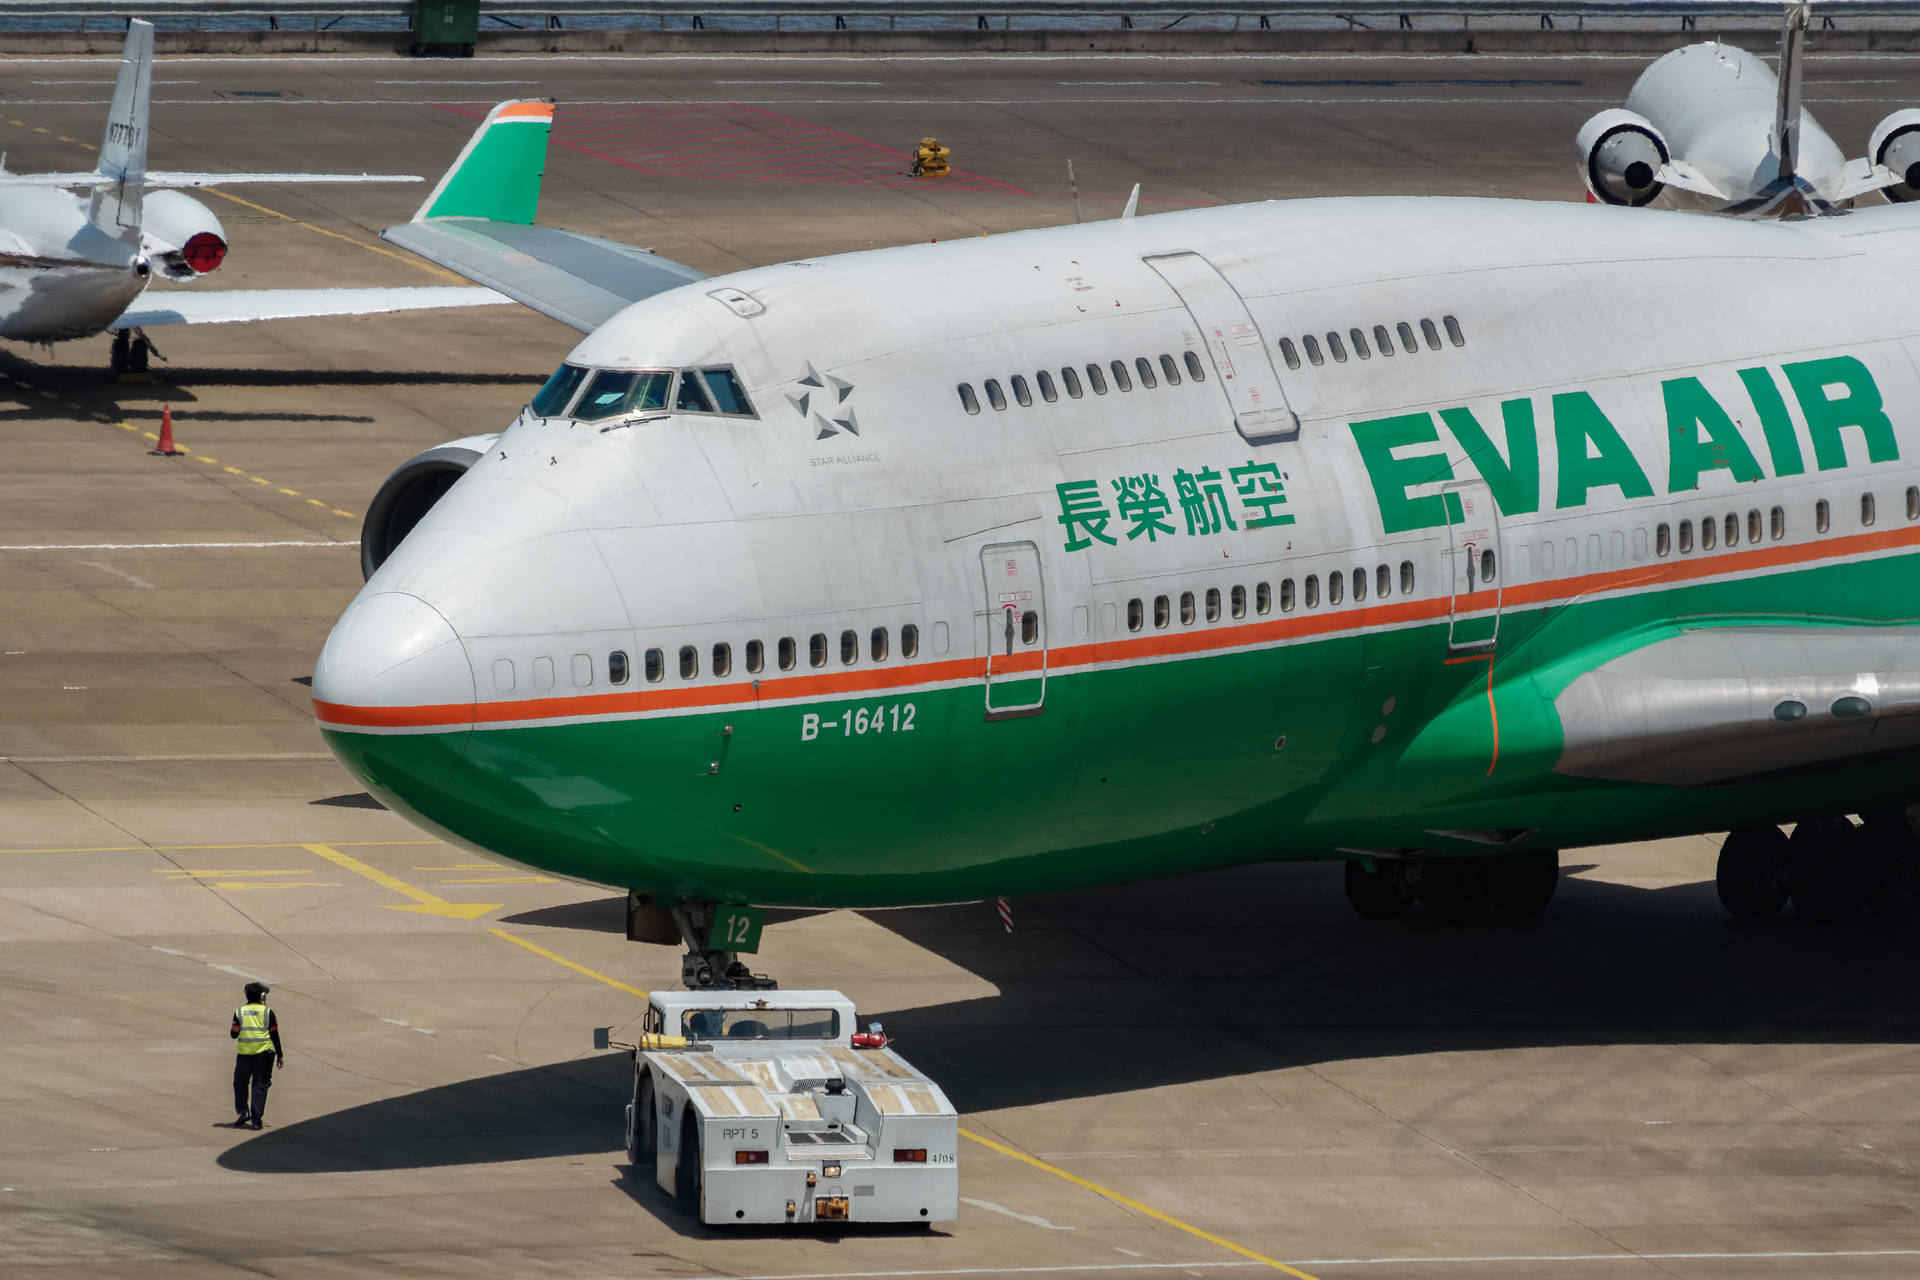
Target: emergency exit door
{"points": [[1472, 564], [1242, 369], [1016, 630]]}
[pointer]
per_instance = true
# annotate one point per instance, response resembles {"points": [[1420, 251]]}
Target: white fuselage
{"points": [[60, 276]]}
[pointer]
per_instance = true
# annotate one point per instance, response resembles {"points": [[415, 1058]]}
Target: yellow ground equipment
{"points": [[930, 161]]}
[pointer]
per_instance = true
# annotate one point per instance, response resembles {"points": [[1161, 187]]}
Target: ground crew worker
{"points": [[259, 1051]]}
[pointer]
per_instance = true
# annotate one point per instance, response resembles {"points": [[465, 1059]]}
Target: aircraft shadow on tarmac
{"points": [[1220, 975]]}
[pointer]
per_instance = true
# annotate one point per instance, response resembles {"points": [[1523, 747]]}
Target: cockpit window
{"points": [[617, 391], [728, 394], [692, 398], [551, 400]]}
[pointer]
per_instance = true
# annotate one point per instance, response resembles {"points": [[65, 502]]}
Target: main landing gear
{"points": [[1829, 869], [1457, 890], [128, 359]]}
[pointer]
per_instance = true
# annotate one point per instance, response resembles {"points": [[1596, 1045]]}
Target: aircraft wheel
{"points": [[119, 354], [1522, 884], [686, 1168], [1825, 859], [1751, 875], [1381, 893], [1891, 879], [643, 1138], [1455, 889]]}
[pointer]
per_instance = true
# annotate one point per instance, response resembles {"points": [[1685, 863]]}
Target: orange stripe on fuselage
{"points": [[1168, 644]]}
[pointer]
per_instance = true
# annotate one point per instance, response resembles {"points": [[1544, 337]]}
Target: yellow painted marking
{"points": [[407, 258], [38, 129], [233, 471], [315, 502], [226, 871], [213, 848], [65, 138], [1129, 1202], [277, 884], [212, 462], [89, 146], [463, 866], [348, 514], [149, 435], [258, 480], [539, 950], [501, 880], [424, 903], [291, 493], [124, 426]]}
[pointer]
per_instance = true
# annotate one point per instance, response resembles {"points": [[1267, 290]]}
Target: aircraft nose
{"points": [[393, 662]]}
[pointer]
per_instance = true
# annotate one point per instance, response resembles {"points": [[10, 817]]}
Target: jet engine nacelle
{"points": [[1896, 144], [180, 236], [1623, 153], [410, 492]]}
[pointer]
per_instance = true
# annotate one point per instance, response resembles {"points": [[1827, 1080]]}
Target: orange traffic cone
{"points": [[165, 448]]}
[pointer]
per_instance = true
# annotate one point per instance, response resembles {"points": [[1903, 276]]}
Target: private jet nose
{"points": [[394, 668]]}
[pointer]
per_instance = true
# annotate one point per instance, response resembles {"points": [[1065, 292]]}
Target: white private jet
{"points": [[72, 266], [1712, 126]]}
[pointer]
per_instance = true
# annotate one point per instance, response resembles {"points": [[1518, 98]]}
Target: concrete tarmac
{"points": [[1224, 1074]]}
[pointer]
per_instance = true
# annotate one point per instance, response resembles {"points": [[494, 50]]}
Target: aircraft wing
{"points": [[579, 280], [1678, 173], [229, 306], [156, 180], [1863, 175]]}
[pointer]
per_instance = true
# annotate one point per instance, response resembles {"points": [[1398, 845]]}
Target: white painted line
{"points": [[809, 82], [166, 546], [1033, 1219], [206, 758], [1114, 84], [135, 579], [433, 81]]}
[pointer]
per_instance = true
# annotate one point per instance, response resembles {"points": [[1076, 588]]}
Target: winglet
{"points": [[497, 176], [115, 208]]}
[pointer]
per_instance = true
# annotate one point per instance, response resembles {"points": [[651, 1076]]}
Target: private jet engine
{"points": [[180, 237], [410, 492], [1623, 154], [1895, 147]]}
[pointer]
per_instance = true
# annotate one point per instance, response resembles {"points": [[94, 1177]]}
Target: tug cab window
{"points": [[760, 1024], [552, 400], [618, 391]]}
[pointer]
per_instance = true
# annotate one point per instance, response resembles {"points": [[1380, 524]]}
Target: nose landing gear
{"points": [[705, 967]]}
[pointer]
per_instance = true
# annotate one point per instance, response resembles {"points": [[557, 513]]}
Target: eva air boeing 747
{"points": [[1433, 535]]}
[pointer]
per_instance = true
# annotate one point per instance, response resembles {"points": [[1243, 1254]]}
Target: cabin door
{"points": [[1241, 367], [1472, 564], [1016, 630]]}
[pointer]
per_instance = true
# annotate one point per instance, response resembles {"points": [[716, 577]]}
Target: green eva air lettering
{"points": [[1701, 437], [1514, 477], [1856, 404], [1591, 453], [1782, 443], [1377, 439]]}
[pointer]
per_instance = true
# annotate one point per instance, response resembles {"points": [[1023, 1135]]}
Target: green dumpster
{"points": [[445, 28]]}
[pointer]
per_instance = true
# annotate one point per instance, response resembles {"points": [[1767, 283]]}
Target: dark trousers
{"points": [[252, 1072]]}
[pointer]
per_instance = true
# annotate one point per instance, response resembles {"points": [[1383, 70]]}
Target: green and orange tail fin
{"points": [[497, 176]]}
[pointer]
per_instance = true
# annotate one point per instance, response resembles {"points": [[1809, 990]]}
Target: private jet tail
{"points": [[120, 178], [478, 222], [1786, 116]]}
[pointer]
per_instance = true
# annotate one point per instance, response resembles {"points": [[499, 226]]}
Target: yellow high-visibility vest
{"points": [[253, 1029]]}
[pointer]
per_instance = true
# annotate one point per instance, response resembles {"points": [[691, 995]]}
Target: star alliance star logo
{"points": [[821, 402]]}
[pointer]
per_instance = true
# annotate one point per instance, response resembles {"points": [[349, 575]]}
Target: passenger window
{"points": [[1732, 529], [1616, 546], [1407, 344], [1382, 340], [1029, 627], [1136, 616], [789, 653], [689, 662], [1072, 381], [1593, 547], [1096, 379], [1382, 581], [1289, 354], [909, 641], [1169, 370], [969, 401], [1020, 392], [1709, 534], [1359, 585], [1640, 543], [1489, 566], [728, 395], [1162, 612], [756, 657], [582, 670], [617, 667], [551, 400], [1454, 335], [1047, 391], [1431, 334], [1821, 517], [1186, 608], [692, 397], [1753, 525], [1145, 368], [995, 396], [1866, 510], [1312, 344], [877, 644], [656, 666], [503, 674], [1194, 370], [1662, 540], [1336, 348], [1286, 595], [1213, 604], [1237, 602], [1121, 382], [1336, 587], [722, 659], [1311, 591], [615, 391], [1406, 577], [1778, 523], [849, 648], [1359, 341], [817, 649]]}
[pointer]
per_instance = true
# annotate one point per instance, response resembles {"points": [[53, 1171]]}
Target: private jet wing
{"points": [[153, 181], [234, 305], [478, 222]]}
